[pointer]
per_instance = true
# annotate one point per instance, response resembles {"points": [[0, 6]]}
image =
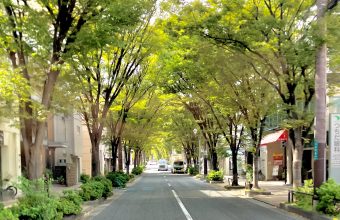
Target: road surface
{"points": [[166, 196]]}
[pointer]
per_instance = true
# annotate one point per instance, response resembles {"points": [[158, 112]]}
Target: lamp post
{"points": [[199, 151]]}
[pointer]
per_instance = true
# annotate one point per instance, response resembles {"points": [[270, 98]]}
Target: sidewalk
{"points": [[278, 189], [58, 189], [279, 192]]}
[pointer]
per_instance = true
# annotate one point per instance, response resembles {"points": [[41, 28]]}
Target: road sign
{"points": [[334, 146], [316, 149]]}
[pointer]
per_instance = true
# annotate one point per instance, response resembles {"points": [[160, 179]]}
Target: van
{"points": [[178, 166], [162, 165]]}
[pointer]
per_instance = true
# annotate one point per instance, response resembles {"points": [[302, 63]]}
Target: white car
{"points": [[163, 167]]}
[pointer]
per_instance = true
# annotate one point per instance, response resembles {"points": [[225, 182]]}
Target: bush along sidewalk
{"points": [[327, 196], [215, 176], [193, 171], [38, 203]]}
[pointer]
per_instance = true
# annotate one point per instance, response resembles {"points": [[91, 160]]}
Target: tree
{"points": [[103, 68], [36, 36], [135, 89], [278, 36], [12, 89], [142, 130], [180, 125]]}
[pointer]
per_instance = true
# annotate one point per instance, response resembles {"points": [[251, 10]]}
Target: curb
{"points": [[268, 203], [310, 215], [251, 193]]}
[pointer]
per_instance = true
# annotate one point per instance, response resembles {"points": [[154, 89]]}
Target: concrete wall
{"points": [[10, 153], [72, 174]]}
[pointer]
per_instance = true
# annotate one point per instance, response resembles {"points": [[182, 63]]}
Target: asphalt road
{"points": [[166, 196]]}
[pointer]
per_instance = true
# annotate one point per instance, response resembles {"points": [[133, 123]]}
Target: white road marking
{"points": [[184, 210], [169, 184]]}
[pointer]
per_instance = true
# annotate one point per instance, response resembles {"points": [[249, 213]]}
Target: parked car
{"points": [[178, 166]]}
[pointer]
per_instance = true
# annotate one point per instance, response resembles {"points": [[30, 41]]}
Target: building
{"points": [[65, 147], [272, 155], [10, 156], [86, 158]]}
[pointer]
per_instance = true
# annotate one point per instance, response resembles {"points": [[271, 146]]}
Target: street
{"points": [[166, 196]]}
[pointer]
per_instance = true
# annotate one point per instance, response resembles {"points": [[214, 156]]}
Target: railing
{"points": [[292, 192], [314, 197]]}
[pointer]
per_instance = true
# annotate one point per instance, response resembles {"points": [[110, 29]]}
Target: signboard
{"points": [[316, 149], [275, 170], [334, 145], [278, 159]]}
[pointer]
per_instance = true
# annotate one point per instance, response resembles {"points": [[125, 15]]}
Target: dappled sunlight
{"points": [[216, 194]]}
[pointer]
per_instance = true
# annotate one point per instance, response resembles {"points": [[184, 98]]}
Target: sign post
{"points": [[316, 149], [334, 145]]}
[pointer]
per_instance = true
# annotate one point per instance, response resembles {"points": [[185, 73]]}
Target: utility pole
{"points": [[320, 98]]}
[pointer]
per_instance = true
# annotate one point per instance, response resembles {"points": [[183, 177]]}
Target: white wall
{"points": [[10, 152], [67, 131]]}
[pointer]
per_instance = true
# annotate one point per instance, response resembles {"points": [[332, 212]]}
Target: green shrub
{"points": [[125, 176], [305, 201], [84, 178], [117, 179], [214, 175], [91, 190], [328, 192], [48, 174], [107, 185], [137, 170], [70, 203], [193, 171], [7, 214], [36, 203], [131, 176]]}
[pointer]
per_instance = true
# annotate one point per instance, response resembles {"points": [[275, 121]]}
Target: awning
{"points": [[273, 137]]}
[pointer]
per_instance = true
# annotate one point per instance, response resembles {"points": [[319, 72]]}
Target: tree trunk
{"points": [[289, 163], [214, 160], [297, 150], [297, 165], [114, 148], [120, 155], [127, 151], [255, 171], [135, 159], [96, 163], [37, 161], [139, 157], [235, 174]]}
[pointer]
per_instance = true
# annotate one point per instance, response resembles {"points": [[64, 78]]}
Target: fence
{"points": [[292, 192]]}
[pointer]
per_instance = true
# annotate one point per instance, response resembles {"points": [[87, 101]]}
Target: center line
{"points": [[184, 210]]}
